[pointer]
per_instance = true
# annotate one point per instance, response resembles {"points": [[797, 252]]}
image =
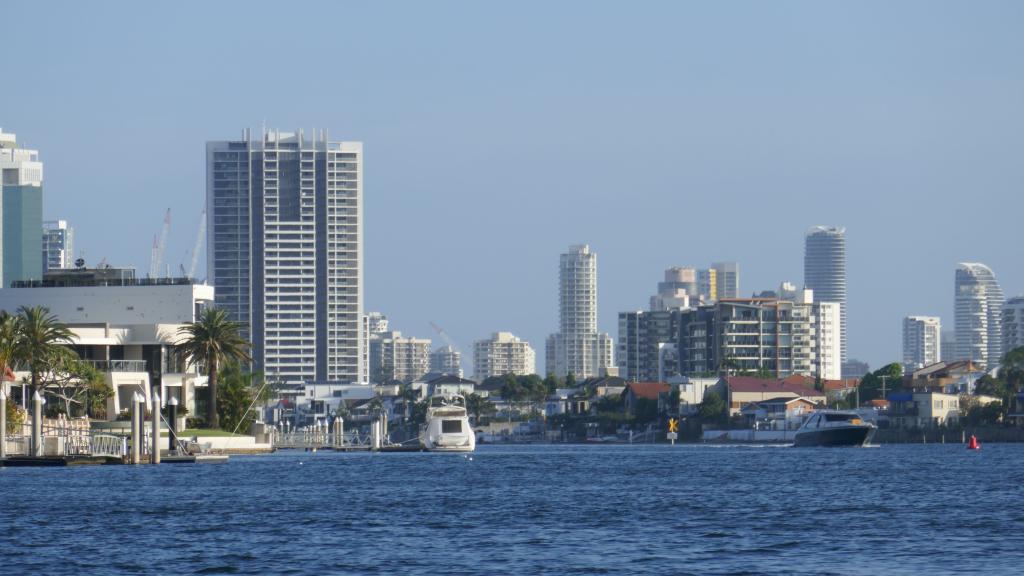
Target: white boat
{"points": [[447, 428], [834, 428]]}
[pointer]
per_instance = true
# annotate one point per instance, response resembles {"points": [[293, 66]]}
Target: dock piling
{"points": [[154, 458], [3, 421], [172, 424], [37, 425], [135, 457]]}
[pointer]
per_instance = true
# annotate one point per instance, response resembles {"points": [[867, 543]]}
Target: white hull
{"points": [[447, 428]]}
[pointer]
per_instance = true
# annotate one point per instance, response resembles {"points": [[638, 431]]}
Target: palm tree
{"points": [[211, 340], [40, 338], [8, 342]]}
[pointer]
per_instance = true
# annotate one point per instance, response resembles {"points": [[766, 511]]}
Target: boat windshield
{"points": [[841, 417], [443, 401]]}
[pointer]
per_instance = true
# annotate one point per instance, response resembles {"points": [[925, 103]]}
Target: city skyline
{"points": [[883, 138]]}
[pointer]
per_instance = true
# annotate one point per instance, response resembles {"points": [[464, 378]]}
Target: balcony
{"points": [[118, 365]]}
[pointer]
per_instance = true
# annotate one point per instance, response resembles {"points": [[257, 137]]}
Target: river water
{"points": [[897, 509]]}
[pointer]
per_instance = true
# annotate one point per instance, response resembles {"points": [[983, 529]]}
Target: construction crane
{"points": [[198, 245], [156, 260], [444, 336]]}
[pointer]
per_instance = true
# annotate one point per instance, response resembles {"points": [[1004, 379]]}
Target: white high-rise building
{"points": [[446, 360], [922, 341], [1013, 324], [502, 353], [397, 357], [578, 348], [285, 251], [979, 314], [825, 270], [828, 338], [58, 245]]}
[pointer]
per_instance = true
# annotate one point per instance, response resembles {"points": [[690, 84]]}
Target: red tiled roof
{"points": [[837, 385], [799, 380], [649, 390], [752, 384]]}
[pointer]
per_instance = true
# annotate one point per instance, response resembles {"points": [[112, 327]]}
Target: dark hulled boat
{"points": [[834, 428]]}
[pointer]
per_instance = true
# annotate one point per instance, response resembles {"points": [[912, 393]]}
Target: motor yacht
{"points": [[447, 427], [834, 428]]}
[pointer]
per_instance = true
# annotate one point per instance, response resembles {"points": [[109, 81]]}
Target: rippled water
{"points": [[533, 509]]}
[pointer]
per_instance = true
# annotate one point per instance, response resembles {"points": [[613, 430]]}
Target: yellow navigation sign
{"points": [[673, 425]]}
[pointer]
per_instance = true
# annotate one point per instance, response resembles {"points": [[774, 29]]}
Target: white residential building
{"points": [[446, 360], [828, 334], [126, 328], [58, 245], [1013, 324], [979, 314], [285, 251], [396, 357], [503, 353], [922, 342], [577, 348], [825, 270]]}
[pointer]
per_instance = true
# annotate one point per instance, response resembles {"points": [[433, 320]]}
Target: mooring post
{"points": [[135, 429], [3, 421], [172, 424], [37, 425], [154, 458]]}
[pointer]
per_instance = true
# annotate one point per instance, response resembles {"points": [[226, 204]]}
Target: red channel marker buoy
{"points": [[973, 443]]}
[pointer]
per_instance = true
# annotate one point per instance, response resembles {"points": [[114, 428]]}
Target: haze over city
{"points": [[661, 134]]}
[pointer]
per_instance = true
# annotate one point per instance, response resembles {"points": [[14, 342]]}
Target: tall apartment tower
{"points": [[828, 337], [285, 251], [1013, 324], [578, 348], [825, 271], [58, 245], [922, 342], [978, 308], [21, 202], [727, 279]]}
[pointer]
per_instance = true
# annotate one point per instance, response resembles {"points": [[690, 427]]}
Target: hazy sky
{"points": [[496, 134]]}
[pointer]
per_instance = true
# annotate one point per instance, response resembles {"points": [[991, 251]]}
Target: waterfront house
{"points": [[738, 391], [691, 392], [657, 392], [836, 390], [949, 377], [923, 409]]}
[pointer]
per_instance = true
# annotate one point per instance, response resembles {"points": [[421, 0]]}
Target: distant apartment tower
{"points": [[726, 279], [58, 245], [396, 357], [978, 308], [446, 360], [503, 353], [647, 345], [21, 202], [285, 251], [825, 270], [1013, 324], [707, 284], [578, 348], [922, 342], [676, 291]]}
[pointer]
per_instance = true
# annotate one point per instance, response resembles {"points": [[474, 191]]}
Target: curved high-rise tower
{"points": [[978, 314], [825, 271]]}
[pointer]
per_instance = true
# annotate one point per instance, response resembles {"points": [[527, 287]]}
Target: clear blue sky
{"points": [[496, 134]]}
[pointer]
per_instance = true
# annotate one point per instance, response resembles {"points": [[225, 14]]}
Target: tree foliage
{"points": [[478, 406], [712, 408], [236, 393], [40, 338], [211, 341], [871, 384]]}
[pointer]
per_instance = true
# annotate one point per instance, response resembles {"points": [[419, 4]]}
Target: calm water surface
{"points": [[907, 509]]}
